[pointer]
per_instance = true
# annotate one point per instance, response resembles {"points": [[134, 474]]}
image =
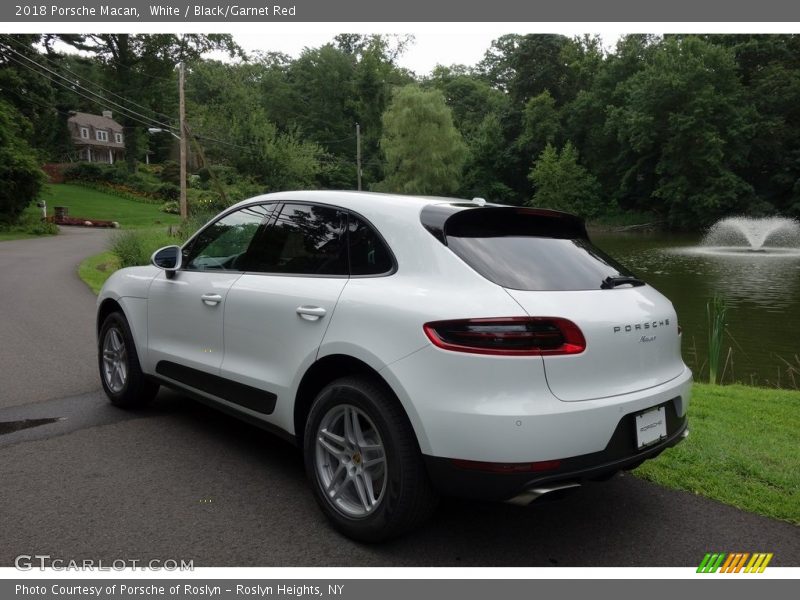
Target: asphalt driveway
{"points": [[46, 328]]}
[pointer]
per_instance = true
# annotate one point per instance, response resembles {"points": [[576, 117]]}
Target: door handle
{"points": [[311, 313], [211, 299]]}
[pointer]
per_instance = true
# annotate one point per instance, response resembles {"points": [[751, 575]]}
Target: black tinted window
{"points": [[222, 245], [531, 252], [368, 254], [303, 240]]}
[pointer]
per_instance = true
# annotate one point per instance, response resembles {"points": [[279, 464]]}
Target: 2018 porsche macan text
{"points": [[410, 346]]}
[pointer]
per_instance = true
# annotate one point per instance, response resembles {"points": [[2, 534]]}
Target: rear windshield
{"points": [[529, 250]]}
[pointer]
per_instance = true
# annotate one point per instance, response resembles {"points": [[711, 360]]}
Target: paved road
{"points": [[181, 481], [46, 329]]}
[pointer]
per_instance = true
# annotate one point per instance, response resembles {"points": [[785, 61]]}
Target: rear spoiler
{"points": [[466, 220]]}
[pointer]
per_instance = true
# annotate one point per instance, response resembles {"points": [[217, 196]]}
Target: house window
{"points": [[118, 138], [85, 133], [102, 136]]}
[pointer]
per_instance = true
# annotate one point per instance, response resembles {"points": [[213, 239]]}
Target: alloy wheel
{"points": [[350, 461], [115, 360]]}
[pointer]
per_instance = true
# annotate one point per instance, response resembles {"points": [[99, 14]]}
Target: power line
{"points": [[71, 72], [77, 92], [127, 112]]}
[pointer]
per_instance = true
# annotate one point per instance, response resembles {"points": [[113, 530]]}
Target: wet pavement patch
{"points": [[12, 426]]}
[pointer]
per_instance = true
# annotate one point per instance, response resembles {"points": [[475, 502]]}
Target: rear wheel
{"points": [[363, 462], [120, 372]]}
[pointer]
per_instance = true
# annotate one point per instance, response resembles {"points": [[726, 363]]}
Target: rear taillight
{"points": [[508, 336]]}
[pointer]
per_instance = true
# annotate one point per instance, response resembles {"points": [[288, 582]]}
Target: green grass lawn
{"points": [[85, 202], [91, 204], [96, 269], [743, 450]]}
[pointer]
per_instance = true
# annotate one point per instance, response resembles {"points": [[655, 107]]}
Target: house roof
{"points": [[96, 121]]}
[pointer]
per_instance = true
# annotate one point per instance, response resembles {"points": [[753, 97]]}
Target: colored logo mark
{"points": [[734, 562]]}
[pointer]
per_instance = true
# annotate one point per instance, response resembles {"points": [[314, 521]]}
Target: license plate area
{"points": [[651, 426]]}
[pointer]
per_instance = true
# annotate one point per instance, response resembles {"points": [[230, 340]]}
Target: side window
{"points": [[222, 245], [368, 253], [303, 240]]}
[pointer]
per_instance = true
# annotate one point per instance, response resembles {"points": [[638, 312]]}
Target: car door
{"points": [[185, 312], [277, 312]]}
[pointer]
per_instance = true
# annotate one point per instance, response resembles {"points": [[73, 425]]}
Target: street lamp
{"points": [[160, 130], [182, 140]]}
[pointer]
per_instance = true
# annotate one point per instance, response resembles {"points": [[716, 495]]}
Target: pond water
{"points": [[762, 290]]}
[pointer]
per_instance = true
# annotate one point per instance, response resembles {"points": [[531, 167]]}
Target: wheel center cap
{"points": [[357, 457]]}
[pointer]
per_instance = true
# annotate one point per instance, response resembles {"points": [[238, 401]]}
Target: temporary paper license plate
{"points": [[651, 426]]}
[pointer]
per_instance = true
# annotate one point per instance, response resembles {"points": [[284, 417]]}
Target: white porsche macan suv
{"points": [[410, 346]]}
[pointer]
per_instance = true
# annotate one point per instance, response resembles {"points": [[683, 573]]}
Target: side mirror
{"points": [[168, 258]]}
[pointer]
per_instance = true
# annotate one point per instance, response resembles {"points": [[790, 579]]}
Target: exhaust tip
{"points": [[550, 492]]}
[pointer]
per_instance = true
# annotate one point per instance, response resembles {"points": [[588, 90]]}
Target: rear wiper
{"points": [[612, 282]]}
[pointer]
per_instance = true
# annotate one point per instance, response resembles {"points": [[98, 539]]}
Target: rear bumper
{"points": [[620, 453], [500, 409]]}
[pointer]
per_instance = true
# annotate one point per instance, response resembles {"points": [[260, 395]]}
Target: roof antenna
{"points": [[479, 201]]}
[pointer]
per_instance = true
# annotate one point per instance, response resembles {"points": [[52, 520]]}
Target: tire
{"points": [[369, 500], [120, 373]]}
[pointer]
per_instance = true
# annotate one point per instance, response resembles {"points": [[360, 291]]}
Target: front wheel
{"points": [[120, 373], [363, 462]]}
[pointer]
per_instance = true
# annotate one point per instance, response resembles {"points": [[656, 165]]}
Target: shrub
{"points": [[171, 207], [168, 191], [129, 248], [170, 173], [86, 171], [30, 222], [39, 227], [135, 247]]}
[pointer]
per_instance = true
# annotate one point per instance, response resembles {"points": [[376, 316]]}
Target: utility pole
{"points": [[199, 149], [182, 118], [358, 154]]}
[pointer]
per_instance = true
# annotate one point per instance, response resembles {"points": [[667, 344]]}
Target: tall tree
{"points": [[684, 125], [541, 125], [27, 88], [561, 183], [234, 125], [478, 110], [769, 67], [424, 151]]}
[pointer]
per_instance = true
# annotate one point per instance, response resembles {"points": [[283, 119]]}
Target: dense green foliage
{"points": [[20, 175], [683, 129]]}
